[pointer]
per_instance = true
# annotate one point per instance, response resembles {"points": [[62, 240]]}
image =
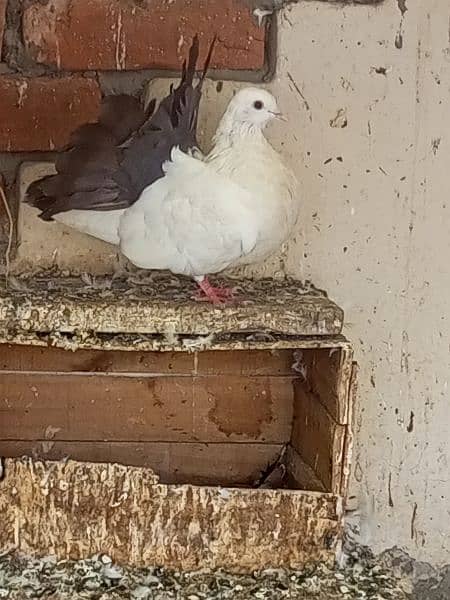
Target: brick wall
{"points": [[58, 57]]}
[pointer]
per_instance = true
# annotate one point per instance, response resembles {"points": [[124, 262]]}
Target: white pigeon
{"points": [[236, 206]]}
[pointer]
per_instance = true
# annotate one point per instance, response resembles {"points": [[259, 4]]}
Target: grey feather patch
{"points": [[108, 164]]}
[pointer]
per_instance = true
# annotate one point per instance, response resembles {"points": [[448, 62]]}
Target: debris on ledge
{"points": [[160, 306], [100, 578]]}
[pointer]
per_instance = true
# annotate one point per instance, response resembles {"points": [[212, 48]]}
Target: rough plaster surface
{"points": [[43, 245], [368, 88]]}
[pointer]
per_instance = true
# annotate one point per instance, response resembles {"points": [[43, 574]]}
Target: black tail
{"points": [[207, 63], [178, 100], [108, 164]]}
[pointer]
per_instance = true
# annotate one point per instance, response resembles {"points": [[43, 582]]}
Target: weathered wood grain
{"points": [[300, 475], [15, 357], [196, 464], [74, 510], [252, 363], [119, 408], [327, 376], [161, 343], [165, 306], [348, 442], [318, 438]]}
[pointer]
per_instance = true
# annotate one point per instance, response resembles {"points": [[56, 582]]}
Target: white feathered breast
{"points": [[254, 165], [193, 221]]}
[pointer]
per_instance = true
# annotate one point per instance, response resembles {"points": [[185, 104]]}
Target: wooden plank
{"points": [[117, 408], [74, 510], [14, 357], [239, 340], [327, 374], [241, 362], [318, 438], [164, 307], [196, 464], [300, 475], [348, 442]]}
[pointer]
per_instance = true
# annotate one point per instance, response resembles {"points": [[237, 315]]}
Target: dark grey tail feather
{"points": [[207, 63], [106, 165], [122, 115]]}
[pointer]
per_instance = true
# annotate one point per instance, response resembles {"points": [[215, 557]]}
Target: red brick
{"points": [[2, 22], [126, 34], [40, 113]]}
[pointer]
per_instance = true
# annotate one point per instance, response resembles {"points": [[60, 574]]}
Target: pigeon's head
{"points": [[253, 106]]}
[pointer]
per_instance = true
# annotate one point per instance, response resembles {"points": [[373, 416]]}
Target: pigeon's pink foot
{"points": [[215, 295]]}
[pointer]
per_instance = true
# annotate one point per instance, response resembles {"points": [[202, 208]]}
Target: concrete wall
{"points": [[376, 228]]}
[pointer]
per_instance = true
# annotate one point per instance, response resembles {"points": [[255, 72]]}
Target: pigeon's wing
{"points": [[192, 221], [85, 171], [108, 164], [173, 124]]}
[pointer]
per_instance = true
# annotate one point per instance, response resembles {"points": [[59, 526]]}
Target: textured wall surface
{"points": [[367, 93]]}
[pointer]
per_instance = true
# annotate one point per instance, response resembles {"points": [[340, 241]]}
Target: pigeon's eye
{"points": [[258, 104]]}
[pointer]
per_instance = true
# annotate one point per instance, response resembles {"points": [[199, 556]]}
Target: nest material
{"points": [[100, 578], [161, 305]]}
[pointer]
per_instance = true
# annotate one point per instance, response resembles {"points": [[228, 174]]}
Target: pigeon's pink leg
{"points": [[215, 295]]}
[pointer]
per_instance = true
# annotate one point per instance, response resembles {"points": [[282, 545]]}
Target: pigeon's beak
{"points": [[279, 116]]}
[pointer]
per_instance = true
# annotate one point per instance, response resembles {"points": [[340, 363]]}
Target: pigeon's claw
{"points": [[215, 295]]}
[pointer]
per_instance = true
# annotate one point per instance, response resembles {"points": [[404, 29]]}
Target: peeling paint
{"points": [[22, 88], [121, 45]]}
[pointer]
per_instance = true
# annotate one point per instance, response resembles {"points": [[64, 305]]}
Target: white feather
{"points": [[193, 221], [271, 184], [103, 225]]}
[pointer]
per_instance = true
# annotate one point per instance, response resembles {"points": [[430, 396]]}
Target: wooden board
{"points": [[128, 342], [74, 510], [318, 438], [164, 306], [14, 357], [300, 475], [197, 464], [118, 408], [327, 372], [252, 363], [348, 442]]}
